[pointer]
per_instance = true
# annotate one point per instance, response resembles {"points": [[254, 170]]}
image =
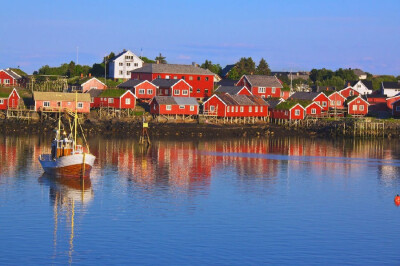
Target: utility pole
{"points": [[77, 55], [105, 70]]}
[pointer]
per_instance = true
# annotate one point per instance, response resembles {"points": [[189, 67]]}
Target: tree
{"points": [[234, 74], [215, 68], [147, 60], [161, 59], [263, 68]]}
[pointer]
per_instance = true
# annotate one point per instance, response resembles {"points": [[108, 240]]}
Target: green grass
{"points": [[114, 93], [290, 103]]}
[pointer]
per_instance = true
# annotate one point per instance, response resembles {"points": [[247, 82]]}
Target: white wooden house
{"points": [[122, 64]]}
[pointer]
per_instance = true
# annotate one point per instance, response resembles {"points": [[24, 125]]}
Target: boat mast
{"points": [[76, 118]]}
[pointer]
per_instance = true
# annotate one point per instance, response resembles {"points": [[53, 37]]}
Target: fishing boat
{"points": [[67, 157]]}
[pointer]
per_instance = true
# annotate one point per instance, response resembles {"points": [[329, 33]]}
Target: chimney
{"points": [[348, 84], [90, 74], [124, 50], [81, 75], [157, 62]]}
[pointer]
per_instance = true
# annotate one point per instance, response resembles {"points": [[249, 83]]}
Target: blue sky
{"points": [[297, 35]]}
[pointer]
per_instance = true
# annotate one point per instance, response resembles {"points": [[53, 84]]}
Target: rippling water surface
{"points": [[235, 201]]}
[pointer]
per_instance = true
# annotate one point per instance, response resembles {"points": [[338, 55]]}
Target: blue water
{"points": [[226, 202]]}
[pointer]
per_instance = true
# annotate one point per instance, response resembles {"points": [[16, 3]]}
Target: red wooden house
{"points": [[391, 100], [201, 80], [357, 106], [233, 90], [86, 84], [115, 98], [336, 100], [173, 87], [226, 105], [262, 85], [9, 100], [60, 101], [8, 77], [396, 108], [317, 97], [143, 89], [313, 109], [348, 92], [289, 109], [168, 105]]}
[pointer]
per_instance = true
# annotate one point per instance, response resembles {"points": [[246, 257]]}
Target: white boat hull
{"points": [[74, 165]]}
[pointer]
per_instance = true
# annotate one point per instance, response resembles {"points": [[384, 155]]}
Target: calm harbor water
{"points": [[236, 201]]}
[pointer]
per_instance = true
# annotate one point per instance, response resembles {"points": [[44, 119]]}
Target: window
{"points": [[175, 77], [198, 78], [121, 64], [250, 109], [135, 64], [110, 100], [241, 109], [190, 78], [359, 86], [69, 103], [183, 77], [313, 111], [93, 88], [361, 108], [318, 102], [168, 107], [158, 76], [128, 64], [176, 92], [198, 90], [256, 109], [332, 102], [46, 104], [141, 91], [281, 93], [286, 112], [351, 93], [185, 92], [354, 107], [1, 101], [232, 108], [150, 91], [167, 77], [212, 108], [338, 103], [192, 108], [80, 105], [273, 90], [206, 91], [236, 109], [6, 81], [181, 107], [261, 109], [128, 101], [58, 104], [92, 100], [127, 72], [296, 112], [323, 104], [206, 78], [191, 90], [121, 72], [397, 108], [261, 89]]}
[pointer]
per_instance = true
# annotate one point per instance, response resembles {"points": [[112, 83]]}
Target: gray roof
{"points": [[12, 73], [165, 83], [131, 83], [263, 81], [227, 82], [229, 89], [272, 102], [225, 70], [186, 100], [304, 95], [242, 100], [389, 85], [323, 88], [358, 72], [94, 92], [175, 100], [173, 69]]}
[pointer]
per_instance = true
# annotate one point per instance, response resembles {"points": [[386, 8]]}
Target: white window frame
{"points": [[273, 90], [241, 109], [128, 64], [212, 108], [256, 109], [121, 64], [361, 107], [166, 76], [7, 81], [227, 109], [93, 88], [91, 99], [80, 105], [185, 92], [297, 112], [181, 107], [333, 102], [261, 109], [127, 101], [1, 101], [176, 92], [110, 100], [192, 108], [354, 107], [313, 111], [338, 103], [46, 104], [261, 89], [168, 108], [142, 91], [250, 109], [150, 91], [190, 77], [198, 90], [324, 104]]}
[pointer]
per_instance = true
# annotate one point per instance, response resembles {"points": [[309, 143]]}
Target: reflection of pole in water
{"points": [[55, 226], [71, 238]]}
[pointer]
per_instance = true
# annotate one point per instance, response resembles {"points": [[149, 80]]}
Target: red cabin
{"points": [[168, 105], [313, 109], [233, 90], [173, 87], [357, 106], [396, 108], [9, 100], [348, 92], [143, 89], [318, 97], [291, 110], [86, 84], [336, 100], [226, 105], [391, 100], [9, 77], [115, 98], [262, 85], [201, 80], [60, 101]]}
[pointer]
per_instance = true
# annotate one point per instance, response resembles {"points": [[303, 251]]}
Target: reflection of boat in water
{"points": [[66, 157]]}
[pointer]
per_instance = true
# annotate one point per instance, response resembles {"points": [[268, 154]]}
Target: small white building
{"points": [[122, 64], [390, 89], [363, 87]]}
